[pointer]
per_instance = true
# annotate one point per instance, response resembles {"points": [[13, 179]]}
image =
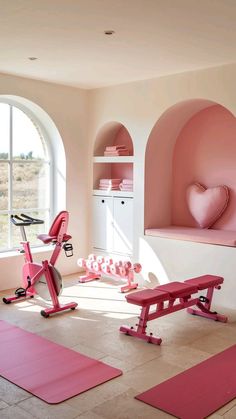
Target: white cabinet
{"points": [[113, 223], [122, 224], [102, 236]]}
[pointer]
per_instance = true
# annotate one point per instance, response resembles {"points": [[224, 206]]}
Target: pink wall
{"points": [[122, 171], [205, 152], [124, 138], [159, 158]]}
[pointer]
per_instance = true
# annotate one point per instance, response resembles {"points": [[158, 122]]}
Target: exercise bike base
{"points": [[48, 311], [9, 300], [6, 301]]}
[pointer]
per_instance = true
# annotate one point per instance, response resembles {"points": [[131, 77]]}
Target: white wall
{"points": [[138, 106], [68, 108]]}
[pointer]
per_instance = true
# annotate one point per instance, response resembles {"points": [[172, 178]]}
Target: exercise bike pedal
{"points": [[20, 292]]}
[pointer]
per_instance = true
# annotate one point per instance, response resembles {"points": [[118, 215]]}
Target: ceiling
{"points": [[152, 38]]}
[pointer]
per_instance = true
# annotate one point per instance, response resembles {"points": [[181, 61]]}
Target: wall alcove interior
{"points": [[193, 141], [112, 218], [118, 167]]}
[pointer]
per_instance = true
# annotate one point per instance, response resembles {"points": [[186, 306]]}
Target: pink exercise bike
{"points": [[43, 279]]}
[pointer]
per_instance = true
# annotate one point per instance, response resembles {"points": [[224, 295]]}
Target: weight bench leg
{"points": [[140, 332], [204, 306]]}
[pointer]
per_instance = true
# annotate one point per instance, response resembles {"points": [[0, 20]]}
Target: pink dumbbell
{"points": [[96, 266], [92, 257], [81, 262], [89, 264], [105, 268], [108, 260], [137, 267], [114, 269], [118, 263], [123, 271], [100, 259], [127, 264]]}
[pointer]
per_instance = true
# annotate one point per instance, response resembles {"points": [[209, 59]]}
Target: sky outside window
{"points": [[4, 130], [26, 138]]}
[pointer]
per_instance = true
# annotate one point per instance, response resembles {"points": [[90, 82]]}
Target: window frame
{"points": [[10, 162]]}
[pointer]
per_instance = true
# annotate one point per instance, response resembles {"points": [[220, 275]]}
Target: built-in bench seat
{"points": [[210, 236], [172, 297]]}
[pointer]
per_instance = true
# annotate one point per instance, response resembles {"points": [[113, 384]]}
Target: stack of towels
{"points": [[116, 150], [109, 184], [126, 185]]}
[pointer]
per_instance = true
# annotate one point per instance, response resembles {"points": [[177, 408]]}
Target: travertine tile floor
{"points": [[93, 330]]}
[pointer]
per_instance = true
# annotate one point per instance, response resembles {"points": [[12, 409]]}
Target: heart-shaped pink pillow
{"points": [[207, 205]]}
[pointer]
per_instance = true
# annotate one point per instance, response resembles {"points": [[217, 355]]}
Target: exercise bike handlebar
{"points": [[25, 220]]}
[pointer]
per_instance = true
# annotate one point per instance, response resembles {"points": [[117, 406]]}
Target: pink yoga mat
{"points": [[47, 370], [198, 391]]}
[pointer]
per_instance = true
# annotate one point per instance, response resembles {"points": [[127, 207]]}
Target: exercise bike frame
{"points": [[32, 271]]}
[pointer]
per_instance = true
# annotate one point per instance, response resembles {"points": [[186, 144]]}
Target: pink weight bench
{"points": [[172, 297]]}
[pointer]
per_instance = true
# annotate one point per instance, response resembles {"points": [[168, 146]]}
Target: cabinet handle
{"points": [[103, 200], [122, 202]]}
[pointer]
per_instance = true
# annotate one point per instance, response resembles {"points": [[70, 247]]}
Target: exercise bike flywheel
{"points": [[41, 287]]}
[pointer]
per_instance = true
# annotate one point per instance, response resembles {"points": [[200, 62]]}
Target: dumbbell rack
{"points": [[96, 266]]}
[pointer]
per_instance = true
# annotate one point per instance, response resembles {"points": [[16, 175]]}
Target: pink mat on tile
{"points": [[198, 391], [47, 370]]}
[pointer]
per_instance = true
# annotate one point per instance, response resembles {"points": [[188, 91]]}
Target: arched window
{"points": [[25, 175]]}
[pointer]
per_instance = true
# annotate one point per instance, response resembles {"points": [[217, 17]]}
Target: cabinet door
{"points": [[102, 222], [123, 225]]}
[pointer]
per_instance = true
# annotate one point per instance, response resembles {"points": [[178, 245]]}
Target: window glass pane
{"points": [[24, 176], [3, 186], [4, 231], [27, 142], [30, 184], [4, 130], [31, 231]]}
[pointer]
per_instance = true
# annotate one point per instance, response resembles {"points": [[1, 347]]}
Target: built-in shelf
{"points": [[112, 210], [113, 159], [125, 194]]}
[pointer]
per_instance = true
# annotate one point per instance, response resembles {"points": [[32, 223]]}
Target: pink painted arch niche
{"points": [[193, 141]]}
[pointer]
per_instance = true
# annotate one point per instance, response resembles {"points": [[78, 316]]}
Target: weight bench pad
{"points": [[147, 297], [205, 281], [178, 289]]}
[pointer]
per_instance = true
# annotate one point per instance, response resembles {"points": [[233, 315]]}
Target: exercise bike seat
{"points": [[55, 228], [45, 238]]}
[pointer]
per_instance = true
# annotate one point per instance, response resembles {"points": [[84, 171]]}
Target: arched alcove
{"points": [[112, 134], [54, 142], [193, 141]]}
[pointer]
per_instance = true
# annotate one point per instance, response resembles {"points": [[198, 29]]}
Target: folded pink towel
{"points": [[126, 188], [115, 147], [116, 153], [109, 181], [109, 184], [127, 181], [108, 188]]}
